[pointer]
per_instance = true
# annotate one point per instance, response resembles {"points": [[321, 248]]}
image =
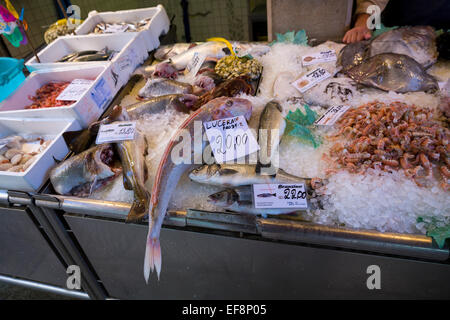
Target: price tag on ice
{"points": [[194, 65], [280, 196], [116, 132], [311, 79], [75, 90], [230, 138], [331, 116], [324, 56]]}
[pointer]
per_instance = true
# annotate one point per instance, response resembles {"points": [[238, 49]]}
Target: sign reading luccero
{"points": [[230, 138], [117, 131], [311, 79], [280, 196]]}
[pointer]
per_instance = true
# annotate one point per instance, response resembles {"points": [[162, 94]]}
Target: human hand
{"points": [[359, 31], [357, 34]]}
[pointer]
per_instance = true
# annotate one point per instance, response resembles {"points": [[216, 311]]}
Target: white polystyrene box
{"points": [[129, 47], [158, 26], [37, 174], [86, 110]]}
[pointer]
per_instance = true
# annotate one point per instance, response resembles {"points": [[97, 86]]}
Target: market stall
{"points": [[337, 160]]}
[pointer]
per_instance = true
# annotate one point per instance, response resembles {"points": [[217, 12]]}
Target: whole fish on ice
{"points": [[161, 87], [85, 172], [393, 72], [169, 172], [236, 175], [271, 129], [179, 102]]}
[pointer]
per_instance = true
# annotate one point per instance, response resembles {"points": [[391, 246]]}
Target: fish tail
{"points": [[138, 211], [152, 258]]}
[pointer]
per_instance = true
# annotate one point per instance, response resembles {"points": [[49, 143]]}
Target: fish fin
{"points": [[138, 211], [56, 160], [152, 258], [148, 260], [157, 257], [127, 183], [78, 141]]}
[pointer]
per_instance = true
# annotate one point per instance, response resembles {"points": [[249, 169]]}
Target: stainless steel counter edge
{"points": [[411, 245]]}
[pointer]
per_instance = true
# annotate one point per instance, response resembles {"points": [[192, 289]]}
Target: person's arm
{"points": [[360, 31]]}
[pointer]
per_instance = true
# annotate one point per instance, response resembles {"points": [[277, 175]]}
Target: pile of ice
{"points": [[388, 202]]}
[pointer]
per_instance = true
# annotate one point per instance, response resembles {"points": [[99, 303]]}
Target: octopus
{"points": [[391, 137]]}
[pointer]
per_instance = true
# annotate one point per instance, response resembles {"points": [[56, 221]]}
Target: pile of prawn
{"points": [[390, 137], [46, 96]]}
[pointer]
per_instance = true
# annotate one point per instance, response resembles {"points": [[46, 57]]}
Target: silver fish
{"points": [[169, 172], [236, 200], [353, 55], [161, 87], [168, 51], [85, 172], [132, 154], [271, 130], [418, 42], [393, 72], [211, 49], [236, 175], [179, 102]]}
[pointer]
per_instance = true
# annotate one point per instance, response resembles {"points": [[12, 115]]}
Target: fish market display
{"points": [[46, 96], [103, 27], [232, 67], [18, 153], [88, 55], [393, 72], [85, 172], [393, 137], [353, 55], [417, 42], [161, 87], [170, 173]]}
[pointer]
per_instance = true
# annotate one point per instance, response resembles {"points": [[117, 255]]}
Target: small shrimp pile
{"points": [[393, 137], [46, 96]]}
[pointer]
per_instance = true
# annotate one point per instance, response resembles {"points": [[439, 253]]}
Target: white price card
{"points": [[75, 90], [280, 196], [116, 132], [230, 139], [101, 93], [331, 116], [194, 65], [323, 56], [311, 79]]}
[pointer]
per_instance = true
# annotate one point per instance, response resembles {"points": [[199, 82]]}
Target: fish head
{"points": [[224, 198], [230, 107], [204, 173]]}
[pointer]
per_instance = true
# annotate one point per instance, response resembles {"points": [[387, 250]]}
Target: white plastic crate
{"points": [[158, 25], [130, 53], [37, 174], [86, 110]]}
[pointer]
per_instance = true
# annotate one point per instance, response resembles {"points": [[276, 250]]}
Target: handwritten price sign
{"points": [[230, 139], [116, 132]]}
